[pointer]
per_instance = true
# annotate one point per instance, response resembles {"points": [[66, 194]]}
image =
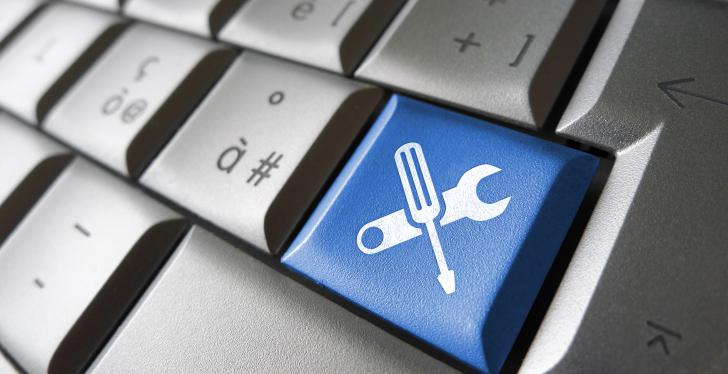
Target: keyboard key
{"points": [[128, 105], [13, 12], [507, 59], [279, 131], [30, 164], [203, 17], [46, 56], [331, 34], [240, 316], [645, 290], [445, 226], [112, 5], [75, 264]]}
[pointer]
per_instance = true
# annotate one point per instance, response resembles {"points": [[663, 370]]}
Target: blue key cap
{"points": [[445, 226]]}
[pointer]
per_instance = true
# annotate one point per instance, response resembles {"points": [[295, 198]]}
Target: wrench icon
{"points": [[461, 201]]}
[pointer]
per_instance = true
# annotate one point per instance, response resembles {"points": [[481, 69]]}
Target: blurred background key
{"points": [[138, 93], [53, 49], [330, 34], [202, 17]]}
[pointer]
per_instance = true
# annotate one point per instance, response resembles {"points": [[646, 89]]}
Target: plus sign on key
{"points": [[445, 226], [506, 59], [467, 42]]}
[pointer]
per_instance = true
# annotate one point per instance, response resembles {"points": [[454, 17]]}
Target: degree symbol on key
{"points": [[423, 204]]}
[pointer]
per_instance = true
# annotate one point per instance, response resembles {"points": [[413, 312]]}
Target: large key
{"points": [[249, 318], [500, 259], [646, 289]]}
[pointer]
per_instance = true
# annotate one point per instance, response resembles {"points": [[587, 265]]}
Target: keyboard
{"points": [[514, 186]]}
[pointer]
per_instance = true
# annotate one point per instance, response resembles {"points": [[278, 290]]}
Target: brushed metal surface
{"points": [[645, 291]]}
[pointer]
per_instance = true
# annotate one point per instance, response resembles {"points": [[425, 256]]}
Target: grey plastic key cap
{"points": [[238, 315], [203, 17], [29, 163], [45, 52], [646, 289], [138, 93], [260, 147], [74, 265], [507, 59], [331, 34], [13, 12]]}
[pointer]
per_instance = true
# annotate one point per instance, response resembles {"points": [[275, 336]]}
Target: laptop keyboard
{"points": [[365, 186]]}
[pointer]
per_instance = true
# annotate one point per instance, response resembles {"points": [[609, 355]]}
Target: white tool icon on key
{"points": [[461, 201]]}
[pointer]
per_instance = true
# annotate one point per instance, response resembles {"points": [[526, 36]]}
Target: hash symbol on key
{"points": [[263, 171], [423, 204]]}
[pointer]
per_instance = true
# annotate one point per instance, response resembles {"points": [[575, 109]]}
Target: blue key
{"points": [[445, 226]]}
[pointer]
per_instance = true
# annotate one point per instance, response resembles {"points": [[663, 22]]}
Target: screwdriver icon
{"points": [[423, 204]]}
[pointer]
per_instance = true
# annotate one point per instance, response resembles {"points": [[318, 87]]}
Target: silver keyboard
{"points": [[185, 186]]}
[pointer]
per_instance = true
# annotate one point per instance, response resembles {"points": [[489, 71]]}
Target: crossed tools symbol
{"points": [[423, 204]]}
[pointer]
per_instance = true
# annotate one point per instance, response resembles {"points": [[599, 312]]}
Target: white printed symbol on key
{"points": [[461, 201]]}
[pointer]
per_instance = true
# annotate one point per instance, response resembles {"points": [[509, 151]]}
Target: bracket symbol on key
{"points": [[461, 201]]}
